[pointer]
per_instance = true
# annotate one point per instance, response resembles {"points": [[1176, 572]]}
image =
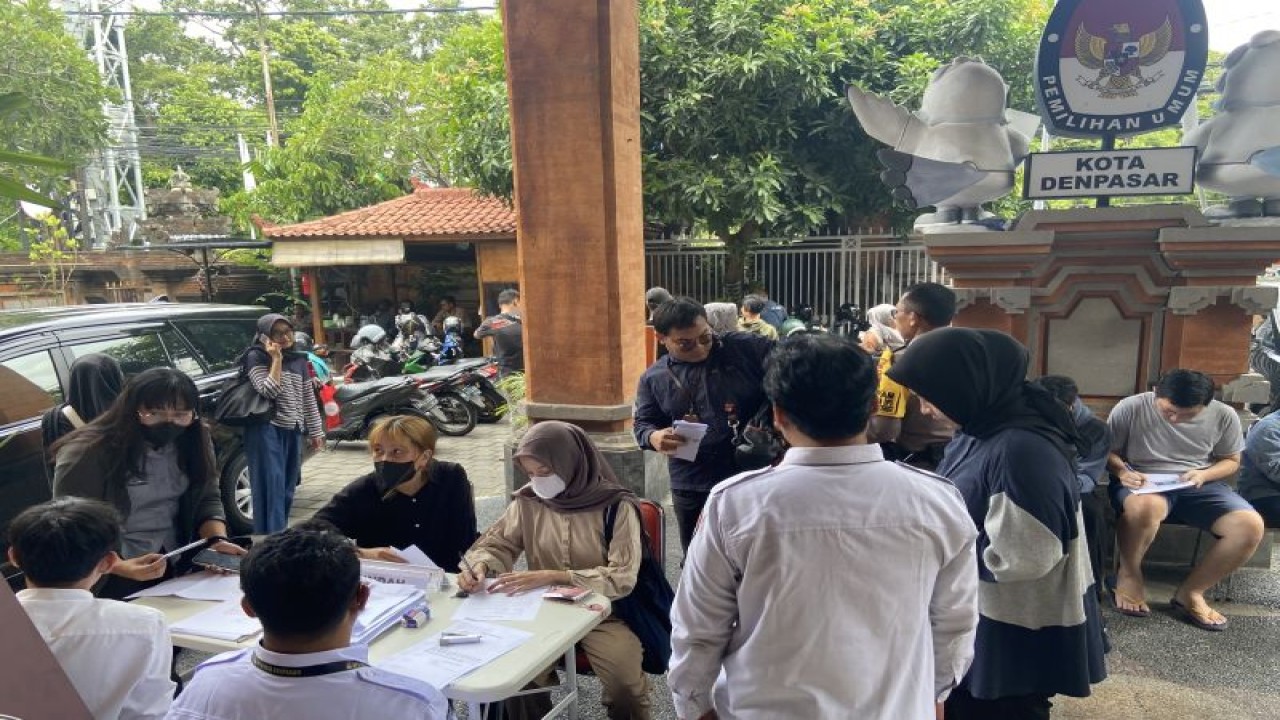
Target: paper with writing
{"points": [[496, 607], [196, 586], [1162, 482], [440, 665], [692, 433], [224, 621]]}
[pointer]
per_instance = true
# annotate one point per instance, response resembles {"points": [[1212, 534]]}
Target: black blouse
{"points": [[440, 519]]}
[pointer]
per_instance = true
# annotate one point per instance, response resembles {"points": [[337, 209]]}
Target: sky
{"points": [[1233, 22]]}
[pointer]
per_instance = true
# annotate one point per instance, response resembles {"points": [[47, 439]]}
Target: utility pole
{"points": [[273, 128]]}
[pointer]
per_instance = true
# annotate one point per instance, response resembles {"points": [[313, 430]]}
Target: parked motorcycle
{"points": [[360, 404], [472, 380]]}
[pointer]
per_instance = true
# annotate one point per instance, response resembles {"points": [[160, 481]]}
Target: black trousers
{"points": [[961, 705], [688, 507]]}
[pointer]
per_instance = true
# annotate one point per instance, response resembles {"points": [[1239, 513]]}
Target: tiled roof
{"points": [[424, 213]]}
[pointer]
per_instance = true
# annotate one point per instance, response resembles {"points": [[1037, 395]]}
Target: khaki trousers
{"points": [[614, 652]]}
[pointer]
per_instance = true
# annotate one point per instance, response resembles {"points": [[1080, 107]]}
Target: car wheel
{"points": [[237, 495]]}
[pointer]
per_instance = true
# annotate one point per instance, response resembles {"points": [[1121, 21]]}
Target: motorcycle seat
{"points": [[443, 372], [351, 391]]}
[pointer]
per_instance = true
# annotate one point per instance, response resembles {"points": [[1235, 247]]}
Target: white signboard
{"points": [[1106, 173]]}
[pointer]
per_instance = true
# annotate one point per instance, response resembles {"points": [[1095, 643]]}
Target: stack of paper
{"points": [[196, 586], [386, 604], [440, 665], [224, 621]]}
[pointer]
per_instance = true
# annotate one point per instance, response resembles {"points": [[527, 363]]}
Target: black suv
{"points": [[37, 347]]}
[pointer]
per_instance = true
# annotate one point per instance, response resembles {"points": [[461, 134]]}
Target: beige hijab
{"points": [[589, 481]]}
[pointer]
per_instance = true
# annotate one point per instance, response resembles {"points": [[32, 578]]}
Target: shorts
{"points": [[1198, 507]]}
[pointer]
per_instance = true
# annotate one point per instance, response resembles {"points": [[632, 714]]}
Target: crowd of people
{"points": [[943, 509]]}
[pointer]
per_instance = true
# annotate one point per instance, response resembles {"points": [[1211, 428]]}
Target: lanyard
{"points": [[692, 415], [328, 668]]}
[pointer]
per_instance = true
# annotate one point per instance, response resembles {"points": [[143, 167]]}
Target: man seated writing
{"points": [[1178, 429], [304, 585], [116, 655]]}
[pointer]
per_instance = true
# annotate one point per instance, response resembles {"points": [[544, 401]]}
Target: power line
{"points": [[277, 13]]}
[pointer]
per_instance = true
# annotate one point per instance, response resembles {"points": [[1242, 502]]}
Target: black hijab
{"points": [[978, 378], [95, 383]]}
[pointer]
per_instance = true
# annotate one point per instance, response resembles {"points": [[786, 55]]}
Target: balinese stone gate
{"points": [[1115, 296]]}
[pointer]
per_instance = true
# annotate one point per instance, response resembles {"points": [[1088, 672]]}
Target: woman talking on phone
{"points": [[274, 448], [150, 456]]}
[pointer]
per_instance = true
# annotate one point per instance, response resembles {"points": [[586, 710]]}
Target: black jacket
{"points": [[440, 519], [733, 373]]}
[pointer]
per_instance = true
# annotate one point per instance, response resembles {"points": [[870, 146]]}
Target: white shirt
{"points": [[834, 585], [230, 687], [117, 655]]}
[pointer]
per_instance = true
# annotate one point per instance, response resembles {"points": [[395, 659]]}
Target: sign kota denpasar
{"points": [[1118, 67], [1145, 171]]}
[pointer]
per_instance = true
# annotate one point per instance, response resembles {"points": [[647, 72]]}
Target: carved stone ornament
{"points": [[1191, 300]]}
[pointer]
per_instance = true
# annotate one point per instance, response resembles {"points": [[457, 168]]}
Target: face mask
{"points": [[392, 474], [547, 486], [162, 434]]}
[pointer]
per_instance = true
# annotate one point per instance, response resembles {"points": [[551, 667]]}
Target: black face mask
{"points": [[391, 474], [162, 434]]}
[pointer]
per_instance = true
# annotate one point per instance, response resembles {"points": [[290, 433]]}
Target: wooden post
{"points": [[574, 81], [317, 314]]}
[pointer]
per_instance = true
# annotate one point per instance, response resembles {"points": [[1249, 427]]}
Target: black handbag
{"points": [[757, 444], [240, 405], [647, 610]]}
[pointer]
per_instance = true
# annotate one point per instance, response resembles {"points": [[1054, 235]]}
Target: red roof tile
{"points": [[426, 212]]}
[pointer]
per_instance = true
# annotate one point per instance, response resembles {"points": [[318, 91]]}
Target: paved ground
{"points": [[1159, 667]]}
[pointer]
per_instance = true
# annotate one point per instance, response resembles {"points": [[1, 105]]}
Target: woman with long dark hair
{"points": [[151, 457]]}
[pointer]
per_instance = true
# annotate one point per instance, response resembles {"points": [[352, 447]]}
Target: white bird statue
{"points": [[956, 152]]}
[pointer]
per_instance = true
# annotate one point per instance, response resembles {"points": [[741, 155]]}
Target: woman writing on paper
{"points": [[151, 457], [557, 521], [410, 498]]}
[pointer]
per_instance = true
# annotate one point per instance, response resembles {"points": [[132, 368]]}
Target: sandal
{"points": [[1117, 596], [1199, 618]]}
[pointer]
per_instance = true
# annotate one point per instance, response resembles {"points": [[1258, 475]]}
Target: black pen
{"points": [[470, 571]]}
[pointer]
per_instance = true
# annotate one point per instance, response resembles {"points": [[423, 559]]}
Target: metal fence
{"points": [[824, 271]]}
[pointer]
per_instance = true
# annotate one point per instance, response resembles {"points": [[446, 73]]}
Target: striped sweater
{"points": [[295, 393]]}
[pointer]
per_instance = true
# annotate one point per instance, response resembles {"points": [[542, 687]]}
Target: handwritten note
{"points": [[1162, 482], [499, 607], [441, 665], [692, 433]]}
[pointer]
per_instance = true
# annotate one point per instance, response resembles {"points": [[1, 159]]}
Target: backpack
{"points": [[647, 610]]}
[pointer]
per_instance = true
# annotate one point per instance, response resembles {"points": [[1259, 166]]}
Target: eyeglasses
{"points": [[704, 340], [280, 334], [177, 417]]}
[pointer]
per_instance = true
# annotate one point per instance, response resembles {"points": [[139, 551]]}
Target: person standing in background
{"points": [[507, 332]]}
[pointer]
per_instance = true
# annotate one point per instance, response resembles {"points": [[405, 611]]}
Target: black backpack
{"points": [[647, 610]]}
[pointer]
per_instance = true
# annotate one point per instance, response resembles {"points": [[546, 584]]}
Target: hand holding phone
{"points": [[213, 560]]}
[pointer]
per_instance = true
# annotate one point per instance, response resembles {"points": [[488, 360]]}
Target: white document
{"points": [[196, 586], [498, 607], [441, 665], [415, 556], [692, 433], [386, 604], [224, 621], [1162, 482]]}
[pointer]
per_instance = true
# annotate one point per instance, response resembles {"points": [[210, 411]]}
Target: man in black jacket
{"points": [[703, 378]]}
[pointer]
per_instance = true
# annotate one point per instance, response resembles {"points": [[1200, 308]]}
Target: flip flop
{"points": [[1117, 597], [1195, 617]]}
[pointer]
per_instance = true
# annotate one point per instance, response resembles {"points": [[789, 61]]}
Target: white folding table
{"points": [[556, 630]]}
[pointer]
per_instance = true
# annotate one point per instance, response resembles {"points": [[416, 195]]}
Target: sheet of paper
{"points": [[415, 556], [497, 607], [692, 433], [441, 665], [224, 621], [196, 586], [1162, 482]]}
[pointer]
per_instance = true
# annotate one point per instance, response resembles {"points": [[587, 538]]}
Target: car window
{"points": [[30, 385], [180, 355], [135, 353], [219, 342]]}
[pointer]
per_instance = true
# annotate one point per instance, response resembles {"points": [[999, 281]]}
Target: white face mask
{"points": [[547, 486]]}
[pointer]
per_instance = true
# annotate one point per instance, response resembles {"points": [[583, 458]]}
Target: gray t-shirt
{"points": [[1149, 443], [154, 497]]}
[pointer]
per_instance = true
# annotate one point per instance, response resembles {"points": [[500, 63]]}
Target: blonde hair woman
{"points": [[410, 498]]}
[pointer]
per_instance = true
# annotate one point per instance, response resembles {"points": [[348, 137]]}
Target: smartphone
{"points": [[214, 560]]}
